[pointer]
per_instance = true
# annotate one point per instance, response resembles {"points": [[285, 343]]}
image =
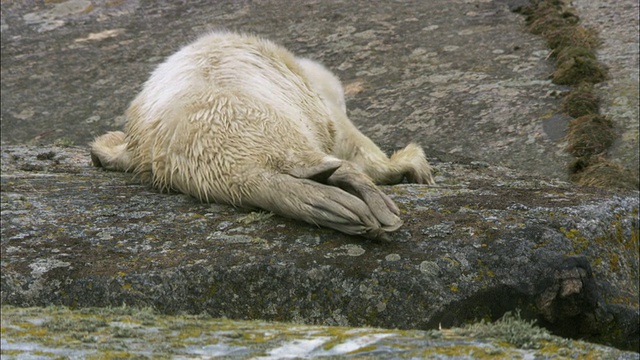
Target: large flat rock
{"points": [[485, 240], [461, 77]]}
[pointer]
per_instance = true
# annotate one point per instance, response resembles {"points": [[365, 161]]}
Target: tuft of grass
{"points": [[589, 135], [577, 69], [573, 35], [542, 17], [572, 52], [510, 328], [601, 172], [581, 101]]}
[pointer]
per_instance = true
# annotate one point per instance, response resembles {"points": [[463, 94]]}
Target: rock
{"points": [[619, 52], [485, 240], [461, 77], [55, 332]]}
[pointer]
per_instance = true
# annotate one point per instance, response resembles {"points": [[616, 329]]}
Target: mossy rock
{"points": [[589, 135], [141, 333], [581, 101]]}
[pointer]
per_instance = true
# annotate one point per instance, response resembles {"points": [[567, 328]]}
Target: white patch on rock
{"points": [[354, 250], [100, 35], [296, 348], [42, 266], [50, 19], [392, 257]]}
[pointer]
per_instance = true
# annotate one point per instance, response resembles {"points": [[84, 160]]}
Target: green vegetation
{"points": [[114, 333], [590, 134], [510, 328]]}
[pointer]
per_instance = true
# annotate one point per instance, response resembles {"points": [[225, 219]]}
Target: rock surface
{"points": [[460, 77], [54, 332], [485, 240], [618, 25]]}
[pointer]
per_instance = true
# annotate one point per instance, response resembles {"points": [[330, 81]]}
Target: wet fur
{"points": [[236, 119]]}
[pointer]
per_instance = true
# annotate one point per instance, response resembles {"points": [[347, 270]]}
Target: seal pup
{"points": [[237, 119]]}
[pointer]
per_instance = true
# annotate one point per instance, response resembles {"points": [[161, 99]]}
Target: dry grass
{"points": [[605, 173], [589, 135], [581, 101], [572, 35], [576, 70]]}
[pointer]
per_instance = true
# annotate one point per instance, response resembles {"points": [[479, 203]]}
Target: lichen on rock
{"points": [[484, 241], [54, 332]]}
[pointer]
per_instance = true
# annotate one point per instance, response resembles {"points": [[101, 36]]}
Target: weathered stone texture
{"points": [[456, 76], [485, 240], [128, 332], [618, 26], [460, 77]]}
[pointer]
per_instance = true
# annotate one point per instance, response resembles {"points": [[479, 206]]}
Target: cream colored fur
{"points": [[236, 119]]}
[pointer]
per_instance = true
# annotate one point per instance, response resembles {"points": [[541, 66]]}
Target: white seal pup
{"points": [[237, 119]]}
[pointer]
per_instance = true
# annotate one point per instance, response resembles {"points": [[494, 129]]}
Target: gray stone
{"points": [[460, 77], [78, 236]]}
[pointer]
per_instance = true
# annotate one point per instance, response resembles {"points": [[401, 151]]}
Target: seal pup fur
{"points": [[236, 119]]}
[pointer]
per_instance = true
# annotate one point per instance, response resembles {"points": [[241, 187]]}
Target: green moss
{"points": [[615, 251], [464, 351], [12, 352], [195, 332], [112, 355], [74, 324], [579, 242]]}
